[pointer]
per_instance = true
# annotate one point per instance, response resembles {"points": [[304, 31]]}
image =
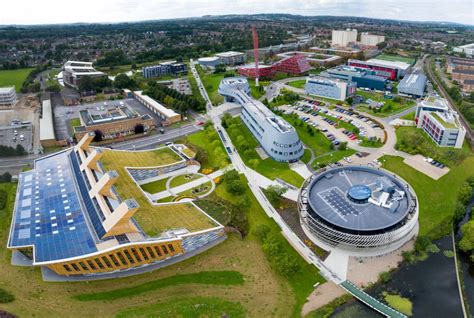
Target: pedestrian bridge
{"points": [[370, 301]]}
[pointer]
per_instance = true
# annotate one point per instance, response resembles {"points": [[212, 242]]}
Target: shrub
{"points": [[385, 277], [3, 199], [6, 297]]}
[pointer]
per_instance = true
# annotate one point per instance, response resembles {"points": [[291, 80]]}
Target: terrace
{"points": [[153, 219]]}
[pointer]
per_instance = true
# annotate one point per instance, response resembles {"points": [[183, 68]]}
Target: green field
{"points": [[211, 83], [14, 77], [245, 143], [155, 186], [297, 84], [209, 148], [389, 108], [259, 91], [409, 116], [189, 307], [183, 178], [395, 58], [437, 199]]}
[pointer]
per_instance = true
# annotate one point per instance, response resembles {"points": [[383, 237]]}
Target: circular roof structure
{"points": [[359, 192], [359, 200]]}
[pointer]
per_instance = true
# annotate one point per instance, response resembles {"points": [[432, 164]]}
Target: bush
{"points": [[385, 277], [6, 297], [3, 199], [261, 231]]}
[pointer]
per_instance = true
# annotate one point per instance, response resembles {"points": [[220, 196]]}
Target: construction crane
{"points": [[255, 53]]}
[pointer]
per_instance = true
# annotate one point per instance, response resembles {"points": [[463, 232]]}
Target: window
{"points": [[91, 265], [129, 257], [122, 259], [114, 259], [157, 249], [142, 251], [67, 268], [150, 251], [134, 251], [107, 262], [165, 250], [83, 266], [75, 267], [99, 263], [170, 246]]}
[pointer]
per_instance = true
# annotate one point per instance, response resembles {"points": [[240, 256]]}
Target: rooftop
{"points": [[7, 90], [162, 109], [153, 219], [46, 122], [329, 197], [447, 123]]}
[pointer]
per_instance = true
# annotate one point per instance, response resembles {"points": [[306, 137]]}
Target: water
{"points": [[431, 286]]}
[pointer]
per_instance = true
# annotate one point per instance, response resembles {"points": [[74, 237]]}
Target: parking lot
{"points": [[431, 168], [11, 136], [64, 114]]}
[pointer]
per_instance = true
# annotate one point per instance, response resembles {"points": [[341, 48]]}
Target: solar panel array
{"points": [[339, 203], [48, 213]]}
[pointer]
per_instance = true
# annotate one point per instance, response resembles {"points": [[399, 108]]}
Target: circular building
{"points": [[358, 208]]}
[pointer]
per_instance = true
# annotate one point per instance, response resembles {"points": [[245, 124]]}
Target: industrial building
{"points": [[329, 88], [73, 71], [371, 39], [343, 37], [392, 70], [462, 71], [278, 138], [114, 121], [467, 49], [164, 68], [8, 96], [47, 135], [80, 212], [413, 85], [295, 65], [364, 78], [440, 122], [359, 209]]}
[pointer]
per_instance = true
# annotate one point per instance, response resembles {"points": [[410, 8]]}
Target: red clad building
{"points": [[294, 65]]}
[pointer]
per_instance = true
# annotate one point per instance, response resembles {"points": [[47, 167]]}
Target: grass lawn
{"points": [[415, 141], [409, 116], [211, 83], [301, 282], [306, 156], [73, 122], [14, 77], [332, 157], [297, 84], [209, 278], [188, 308], [155, 186], [152, 219], [437, 199], [245, 143], [389, 108], [115, 70], [259, 91], [209, 148], [194, 87], [197, 190], [183, 178], [395, 58]]}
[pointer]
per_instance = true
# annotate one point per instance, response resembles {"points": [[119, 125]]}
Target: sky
{"points": [[67, 11]]}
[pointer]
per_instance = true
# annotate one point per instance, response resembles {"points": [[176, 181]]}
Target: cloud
{"points": [[66, 11]]}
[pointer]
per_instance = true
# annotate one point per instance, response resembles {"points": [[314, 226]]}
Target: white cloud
{"points": [[66, 11]]}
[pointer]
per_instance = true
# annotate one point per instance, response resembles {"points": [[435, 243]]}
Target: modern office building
{"points": [[231, 58], [114, 121], [209, 62], [467, 49], [462, 71], [329, 88], [73, 71], [167, 115], [81, 212], [392, 70], [294, 65], [364, 78], [343, 37], [358, 208], [278, 138], [8, 96], [440, 122], [164, 68], [413, 85], [371, 39]]}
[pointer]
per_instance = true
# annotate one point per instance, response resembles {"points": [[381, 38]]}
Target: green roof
{"points": [[445, 124]]}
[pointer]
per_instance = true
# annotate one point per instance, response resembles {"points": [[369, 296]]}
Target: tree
{"points": [[350, 100], [139, 129], [122, 81], [343, 145], [466, 243], [274, 193], [98, 135], [86, 84]]}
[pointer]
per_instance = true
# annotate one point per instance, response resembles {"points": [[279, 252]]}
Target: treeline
{"points": [[465, 193], [172, 98], [30, 85], [6, 151]]}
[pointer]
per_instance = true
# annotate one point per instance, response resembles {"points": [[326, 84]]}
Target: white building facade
{"points": [[8, 96], [278, 138], [329, 88], [371, 39], [343, 37]]}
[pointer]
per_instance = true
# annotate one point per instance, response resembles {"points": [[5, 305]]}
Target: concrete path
{"points": [[322, 295], [300, 168]]}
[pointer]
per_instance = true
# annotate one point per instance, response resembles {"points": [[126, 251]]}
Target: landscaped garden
{"points": [[298, 83], [245, 144], [211, 83]]}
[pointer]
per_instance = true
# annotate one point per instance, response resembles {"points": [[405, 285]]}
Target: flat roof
{"points": [[328, 198], [46, 122], [396, 64], [229, 54], [7, 90], [153, 103], [443, 121]]}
